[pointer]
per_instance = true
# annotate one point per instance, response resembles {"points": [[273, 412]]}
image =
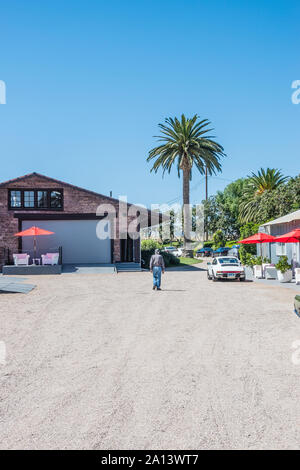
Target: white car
{"points": [[173, 250], [225, 267]]}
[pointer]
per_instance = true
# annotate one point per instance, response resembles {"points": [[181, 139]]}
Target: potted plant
{"points": [[284, 270]]}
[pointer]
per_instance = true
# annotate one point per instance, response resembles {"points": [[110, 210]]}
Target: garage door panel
{"points": [[77, 238]]}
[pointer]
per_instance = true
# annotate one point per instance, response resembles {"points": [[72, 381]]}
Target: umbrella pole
{"points": [[262, 273], [34, 247]]}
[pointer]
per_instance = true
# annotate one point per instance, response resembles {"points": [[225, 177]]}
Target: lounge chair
{"points": [[297, 275], [21, 259], [50, 258]]}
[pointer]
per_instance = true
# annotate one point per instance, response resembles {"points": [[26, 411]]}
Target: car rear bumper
{"points": [[230, 275]]}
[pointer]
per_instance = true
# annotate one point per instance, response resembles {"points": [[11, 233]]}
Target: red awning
{"points": [[258, 238], [33, 232], [290, 237]]}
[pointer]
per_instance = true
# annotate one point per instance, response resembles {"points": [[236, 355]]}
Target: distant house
{"points": [[278, 227], [70, 212]]}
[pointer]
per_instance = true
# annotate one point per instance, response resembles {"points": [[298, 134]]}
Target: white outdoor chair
{"points": [[257, 269], [50, 258], [297, 275], [21, 259]]}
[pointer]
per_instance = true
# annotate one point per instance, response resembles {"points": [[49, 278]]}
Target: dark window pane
{"points": [[42, 199], [15, 199], [56, 199], [28, 198]]}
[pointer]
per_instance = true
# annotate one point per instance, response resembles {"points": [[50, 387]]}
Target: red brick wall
{"points": [[75, 201]]}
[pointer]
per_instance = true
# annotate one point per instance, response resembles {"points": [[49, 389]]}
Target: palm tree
{"points": [[257, 185], [185, 143]]}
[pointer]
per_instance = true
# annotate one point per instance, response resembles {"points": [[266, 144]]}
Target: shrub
{"points": [[283, 264], [150, 245], [247, 259], [218, 239], [246, 231], [169, 259]]}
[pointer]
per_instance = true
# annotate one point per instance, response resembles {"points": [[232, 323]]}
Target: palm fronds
{"points": [[185, 142]]}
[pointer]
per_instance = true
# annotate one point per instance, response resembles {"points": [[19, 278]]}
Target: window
{"points": [[42, 199], [280, 249], [15, 199], [55, 199], [49, 199], [29, 199]]}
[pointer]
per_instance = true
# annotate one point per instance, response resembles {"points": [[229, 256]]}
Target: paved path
{"points": [[103, 362]]}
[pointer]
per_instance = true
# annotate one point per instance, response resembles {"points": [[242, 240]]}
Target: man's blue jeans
{"points": [[157, 276]]}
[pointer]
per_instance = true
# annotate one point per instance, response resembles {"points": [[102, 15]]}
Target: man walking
{"points": [[157, 266]]}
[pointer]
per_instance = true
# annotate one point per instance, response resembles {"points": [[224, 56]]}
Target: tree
{"points": [[218, 239], [185, 143], [248, 251], [221, 211], [258, 185]]}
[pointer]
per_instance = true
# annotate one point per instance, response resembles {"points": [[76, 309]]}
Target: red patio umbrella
{"points": [[33, 232], [290, 237], [259, 238]]}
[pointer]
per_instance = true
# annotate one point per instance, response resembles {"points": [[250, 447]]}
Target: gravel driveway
{"points": [[103, 362]]}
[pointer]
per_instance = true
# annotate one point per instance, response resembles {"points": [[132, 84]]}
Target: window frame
{"points": [[36, 208], [280, 249]]}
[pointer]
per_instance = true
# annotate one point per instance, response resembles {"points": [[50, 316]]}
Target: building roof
{"points": [[159, 217], [30, 175], [284, 219]]}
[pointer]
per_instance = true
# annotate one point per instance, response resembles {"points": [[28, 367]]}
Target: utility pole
{"points": [[206, 197]]}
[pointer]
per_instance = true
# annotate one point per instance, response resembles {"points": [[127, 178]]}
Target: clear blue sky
{"points": [[88, 82]]}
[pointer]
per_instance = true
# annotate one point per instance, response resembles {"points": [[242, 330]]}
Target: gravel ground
{"points": [[103, 362]]}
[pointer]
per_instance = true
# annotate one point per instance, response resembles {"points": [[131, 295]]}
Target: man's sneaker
{"points": [[154, 287], [158, 288]]}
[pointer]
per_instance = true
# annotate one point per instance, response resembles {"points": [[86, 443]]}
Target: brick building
{"points": [[70, 212]]}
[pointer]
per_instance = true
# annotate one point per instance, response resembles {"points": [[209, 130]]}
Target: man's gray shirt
{"points": [[157, 260]]}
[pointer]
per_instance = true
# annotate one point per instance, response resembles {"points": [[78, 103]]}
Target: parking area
{"points": [[103, 362]]}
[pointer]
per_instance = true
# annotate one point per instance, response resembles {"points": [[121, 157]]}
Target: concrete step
{"points": [[128, 267]]}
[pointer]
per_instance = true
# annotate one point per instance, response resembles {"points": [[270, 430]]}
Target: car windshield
{"points": [[170, 248], [229, 261]]}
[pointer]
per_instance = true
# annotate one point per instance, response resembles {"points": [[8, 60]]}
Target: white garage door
{"points": [[77, 238]]}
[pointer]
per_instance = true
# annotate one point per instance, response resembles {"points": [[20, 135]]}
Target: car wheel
{"points": [[214, 278], [242, 279], [208, 275]]}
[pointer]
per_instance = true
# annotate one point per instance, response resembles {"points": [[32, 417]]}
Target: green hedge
{"points": [[169, 259]]}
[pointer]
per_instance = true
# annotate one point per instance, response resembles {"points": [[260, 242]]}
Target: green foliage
{"points": [[262, 184], [185, 143], [208, 244], [279, 202], [222, 210], [247, 252], [248, 229], [283, 264], [231, 243], [225, 209], [169, 259], [218, 239], [247, 259], [150, 245]]}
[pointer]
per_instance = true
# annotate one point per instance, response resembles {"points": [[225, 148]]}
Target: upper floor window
{"points": [[29, 199], [15, 199], [51, 199], [56, 199]]}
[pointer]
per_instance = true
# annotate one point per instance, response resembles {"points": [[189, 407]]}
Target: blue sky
{"points": [[88, 82]]}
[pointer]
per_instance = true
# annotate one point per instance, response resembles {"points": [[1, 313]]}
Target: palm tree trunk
{"points": [[186, 213]]}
